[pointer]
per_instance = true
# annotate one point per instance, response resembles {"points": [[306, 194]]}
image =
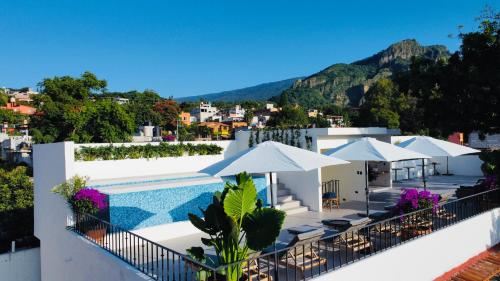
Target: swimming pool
{"points": [[150, 207]]}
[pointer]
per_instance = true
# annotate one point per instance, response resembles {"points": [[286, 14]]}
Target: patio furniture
{"points": [[344, 224], [254, 270], [396, 173], [434, 171], [408, 168], [354, 242], [370, 149], [330, 191], [376, 215], [301, 253]]}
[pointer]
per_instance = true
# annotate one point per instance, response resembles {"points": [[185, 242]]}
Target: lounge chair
{"points": [[352, 240], [301, 252], [256, 270]]}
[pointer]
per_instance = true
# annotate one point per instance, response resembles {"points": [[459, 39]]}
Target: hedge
{"points": [[145, 151]]}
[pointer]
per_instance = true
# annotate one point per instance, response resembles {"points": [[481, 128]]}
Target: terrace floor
{"points": [[379, 198]]}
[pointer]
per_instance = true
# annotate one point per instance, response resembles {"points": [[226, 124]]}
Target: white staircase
{"points": [[287, 202]]}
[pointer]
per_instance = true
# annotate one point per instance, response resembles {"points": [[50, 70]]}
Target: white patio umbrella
{"points": [[370, 149], [436, 148], [270, 157]]}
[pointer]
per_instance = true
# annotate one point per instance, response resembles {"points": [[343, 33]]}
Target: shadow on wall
{"points": [[128, 217], [495, 229]]}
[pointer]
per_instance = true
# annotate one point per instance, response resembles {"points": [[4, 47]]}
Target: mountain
{"points": [[345, 84], [260, 92]]}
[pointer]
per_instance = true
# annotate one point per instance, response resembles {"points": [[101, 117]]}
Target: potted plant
{"points": [[236, 224], [419, 223], [83, 200]]}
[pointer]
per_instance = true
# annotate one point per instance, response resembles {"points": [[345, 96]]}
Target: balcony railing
{"points": [[300, 260]]}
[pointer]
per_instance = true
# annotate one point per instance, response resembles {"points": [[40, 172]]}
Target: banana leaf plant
{"points": [[236, 223]]}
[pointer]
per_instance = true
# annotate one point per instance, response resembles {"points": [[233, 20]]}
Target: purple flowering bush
{"points": [[88, 201], [412, 200]]}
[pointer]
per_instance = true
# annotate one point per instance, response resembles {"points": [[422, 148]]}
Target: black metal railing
{"points": [[151, 258], [307, 256], [314, 256]]}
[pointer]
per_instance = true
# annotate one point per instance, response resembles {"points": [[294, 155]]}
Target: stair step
{"points": [[296, 210], [290, 205], [286, 198], [283, 192]]}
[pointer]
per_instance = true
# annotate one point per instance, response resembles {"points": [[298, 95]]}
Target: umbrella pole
{"points": [[367, 192], [423, 174], [271, 187]]}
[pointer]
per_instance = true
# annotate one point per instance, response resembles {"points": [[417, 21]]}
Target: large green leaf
{"points": [[196, 253], [241, 201], [217, 221], [262, 227]]}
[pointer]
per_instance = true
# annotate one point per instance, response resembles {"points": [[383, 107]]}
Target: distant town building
{"points": [[218, 129], [313, 113], [120, 100], [185, 118], [270, 107], [204, 112], [457, 138], [22, 109], [21, 95]]}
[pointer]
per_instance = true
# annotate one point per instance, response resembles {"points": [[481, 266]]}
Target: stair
{"points": [[287, 202]]}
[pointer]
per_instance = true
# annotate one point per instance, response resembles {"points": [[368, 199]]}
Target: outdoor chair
{"points": [[354, 241], [301, 252], [255, 269], [330, 196]]}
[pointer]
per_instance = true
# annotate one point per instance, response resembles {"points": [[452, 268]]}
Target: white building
{"points": [[120, 100], [162, 192], [204, 112]]}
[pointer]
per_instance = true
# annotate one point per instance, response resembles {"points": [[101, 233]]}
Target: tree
{"points": [[382, 105], [462, 93], [289, 116], [4, 98], [169, 111], [71, 109], [110, 122]]}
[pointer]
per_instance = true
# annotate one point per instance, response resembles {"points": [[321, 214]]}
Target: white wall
{"points": [[427, 257], [109, 169], [464, 165], [305, 185], [352, 184], [23, 265], [65, 255]]}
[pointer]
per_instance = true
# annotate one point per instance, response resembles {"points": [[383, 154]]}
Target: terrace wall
{"points": [[429, 256], [65, 255]]}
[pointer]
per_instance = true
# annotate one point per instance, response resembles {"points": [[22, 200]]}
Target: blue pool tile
{"points": [[147, 208]]}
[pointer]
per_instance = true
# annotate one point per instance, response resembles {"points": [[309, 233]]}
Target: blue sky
{"points": [[186, 48]]}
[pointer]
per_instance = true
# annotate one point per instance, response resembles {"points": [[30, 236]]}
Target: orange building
{"points": [[22, 109], [185, 118], [217, 128]]}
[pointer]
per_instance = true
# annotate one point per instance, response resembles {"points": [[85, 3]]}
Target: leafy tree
{"points": [[70, 109], [169, 111], [4, 98], [16, 207], [109, 122], [10, 116], [289, 116], [382, 105], [462, 93]]}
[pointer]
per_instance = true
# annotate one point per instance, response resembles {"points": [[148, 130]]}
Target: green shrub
{"points": [[145, 151]]}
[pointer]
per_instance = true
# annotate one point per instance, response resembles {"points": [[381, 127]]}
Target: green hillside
{"points": [[345, 84]]}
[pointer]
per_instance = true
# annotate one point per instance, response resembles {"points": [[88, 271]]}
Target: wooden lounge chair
{"points": [[354, 241], [301, 253], [256, 270]]}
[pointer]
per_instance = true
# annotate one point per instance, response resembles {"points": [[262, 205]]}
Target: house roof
{"points": [[23, 109]]}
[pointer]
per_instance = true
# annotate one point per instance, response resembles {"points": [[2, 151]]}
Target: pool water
{"points": [[145, 208]]}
